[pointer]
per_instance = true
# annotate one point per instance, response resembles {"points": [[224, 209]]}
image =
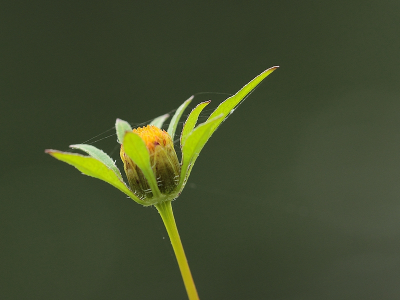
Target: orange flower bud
{"points": [[163, 160]]}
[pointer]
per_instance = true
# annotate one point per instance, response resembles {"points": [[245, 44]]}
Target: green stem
{"points": [[165, 210]]}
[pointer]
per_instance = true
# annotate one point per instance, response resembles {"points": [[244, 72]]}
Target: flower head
{"points": [[163, 160], [154, 173]]}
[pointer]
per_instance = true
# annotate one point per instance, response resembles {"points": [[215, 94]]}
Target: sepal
{"points": [[177, 116], [135, 148], [227, 107], [159, 121], [93, 167], [193, 145], [192, 120], [122, 127]]}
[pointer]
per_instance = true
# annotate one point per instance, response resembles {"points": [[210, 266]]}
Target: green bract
{"points": [[192, 140]]}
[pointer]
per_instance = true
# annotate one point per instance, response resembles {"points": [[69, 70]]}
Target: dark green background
{"points": [[296, 196]]}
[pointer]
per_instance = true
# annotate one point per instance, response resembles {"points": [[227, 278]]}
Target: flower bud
{"points": [[163, 160]]}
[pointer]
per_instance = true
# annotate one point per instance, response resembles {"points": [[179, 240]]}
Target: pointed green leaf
{"points": [[121, 127], [200, 135], [99, 155], [227, 107], [177, 116], [136, 149], [159, 121], [193, 145], [92, 167], [192, 120]]}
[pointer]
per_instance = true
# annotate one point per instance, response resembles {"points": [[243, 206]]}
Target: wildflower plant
{"points": [[155, 174]]}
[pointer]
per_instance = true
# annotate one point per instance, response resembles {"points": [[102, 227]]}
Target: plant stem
{"points": [[165, 210]]}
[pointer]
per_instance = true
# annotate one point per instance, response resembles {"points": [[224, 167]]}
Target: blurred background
{"points": [[296, 196]]}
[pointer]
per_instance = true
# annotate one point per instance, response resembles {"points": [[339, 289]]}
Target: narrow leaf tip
{"points": [[272, 68]]}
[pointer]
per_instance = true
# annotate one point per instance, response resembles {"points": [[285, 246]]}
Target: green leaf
{"points": [[177, 116], [192, 120], [121, 127], [227, 107], [136, 149], [99, 155], [159, 121], [193, 145], [196, 140], [92, 167]]}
